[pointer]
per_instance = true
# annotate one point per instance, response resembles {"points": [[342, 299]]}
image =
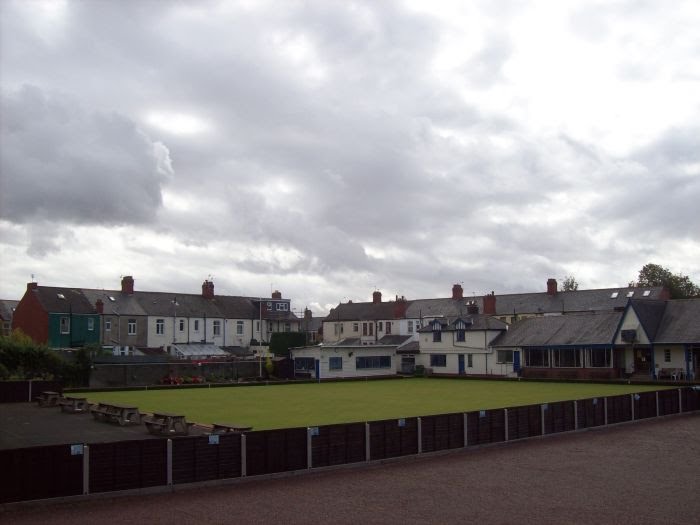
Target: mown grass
{"points": [[294, 405]]}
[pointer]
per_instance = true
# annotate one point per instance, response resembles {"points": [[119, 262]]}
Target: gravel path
{"points": [[647, 472]]}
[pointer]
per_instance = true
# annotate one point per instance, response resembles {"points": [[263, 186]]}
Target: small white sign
{"points": [[595, 400], [545, 406], [213, 439], [76, 450], [313, 431], [482, 413], [402, 422]]}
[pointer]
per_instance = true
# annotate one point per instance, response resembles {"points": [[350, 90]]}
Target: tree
{"points": [[569, 284], [679, 286]]}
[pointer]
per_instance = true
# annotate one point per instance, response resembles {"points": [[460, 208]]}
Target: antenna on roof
{"points": [[33, 278]]}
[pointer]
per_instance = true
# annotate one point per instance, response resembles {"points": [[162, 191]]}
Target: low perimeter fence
{"points": [[81, 469]]}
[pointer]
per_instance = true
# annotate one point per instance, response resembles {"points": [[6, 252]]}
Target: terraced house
{"points": [[129, 321]]}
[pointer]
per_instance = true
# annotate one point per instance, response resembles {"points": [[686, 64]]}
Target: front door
{"points": [[461, 364], [642, 360], [516, 361], [408, 365]]}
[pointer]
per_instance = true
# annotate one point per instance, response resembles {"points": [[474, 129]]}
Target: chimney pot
{"points": [[32, 286], [208, 289], [99, 306], [551, 286], [277, 294], [128, 285], [377, 297], [457, 292], [490, 304]]}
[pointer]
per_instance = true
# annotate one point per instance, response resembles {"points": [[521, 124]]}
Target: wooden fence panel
{"points": [[668, 402], [196, 459], [389, 439], [619, 408], [40, 472], [442, 432], [524, 422], [338, 445], [644, 405], [559, 417], [269, 451], [591, 412], [486, 426], [691, 399], [128, 465]]}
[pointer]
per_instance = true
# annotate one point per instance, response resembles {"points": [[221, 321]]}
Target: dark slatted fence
{"points": [[691, 399], [669, 402], [128, 465], [442, 432], [393, 437], [40, 472], [338, 445], [644, 405], [524, 422], [559, 417], [24, 391], [269, 451], [199, 458], [591, 412], [619, 409], [486, 426]]}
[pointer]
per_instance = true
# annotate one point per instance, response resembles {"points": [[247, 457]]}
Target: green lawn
{"points": [[294, 405]]}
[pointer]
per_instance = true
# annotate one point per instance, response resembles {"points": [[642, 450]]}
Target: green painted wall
{"points": [[79, 334]]}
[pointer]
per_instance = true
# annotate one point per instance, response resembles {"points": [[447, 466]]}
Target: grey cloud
{"points": [[64, 163]]}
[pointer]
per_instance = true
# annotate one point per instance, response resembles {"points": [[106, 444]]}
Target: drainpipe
{"points": [[653, 362]]}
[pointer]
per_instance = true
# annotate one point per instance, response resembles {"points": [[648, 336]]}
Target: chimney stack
{"points": [[277, 294], [490, 304], [400, 307], [99, 306], [32, 286], [128, 285], [551, 286], [377, 297], [307, 314], [208, 289], [457, 291]]}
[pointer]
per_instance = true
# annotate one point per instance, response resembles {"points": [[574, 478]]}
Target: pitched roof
{"points": [[63, 300], [562, 330], [394, 339], [680, 323], [473, 321], [114, 301], [199, 350], [649, 314], [362, 311], [7, 308]]}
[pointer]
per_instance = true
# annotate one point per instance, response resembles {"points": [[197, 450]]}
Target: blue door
{"points": [[516, 362], [461, 364]]}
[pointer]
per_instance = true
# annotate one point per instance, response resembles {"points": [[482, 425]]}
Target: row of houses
{"points": [[594, 334], [130, 321]]}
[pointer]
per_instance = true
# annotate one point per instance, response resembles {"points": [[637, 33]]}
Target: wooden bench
{"points": [[122, 414], [223, 428], [165, 423]]}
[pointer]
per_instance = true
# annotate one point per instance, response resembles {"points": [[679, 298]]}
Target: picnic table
{"points": [[48, 398], [223, 428], [165, 423], [73, 405], [122, 414]]}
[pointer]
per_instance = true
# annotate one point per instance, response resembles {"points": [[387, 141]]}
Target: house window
{"points": [[239, 327], [366, 362], [196, 325], [257, 327], [470, 361], [566, 358], [90, 324], [667, 356], [460, 336], [65, 325], [388, 327], [131, 327], [355, 327], [108, 325], [504, 357], [537, 357], [182, 325], [599, 358], [217, 327], [364, 328], [410, 327], [438, 360], [371, 329], [269, 326], [288, 327], [282, 307], [335, 363], [437, 336], [160, 326], [381, 326]]}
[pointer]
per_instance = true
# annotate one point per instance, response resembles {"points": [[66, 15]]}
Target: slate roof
{"points": [[420, 308], [681, 322], [650, 314], [411, 347], [561, 330], [114, 302], [73, 301], [200, 350], [394, 339], [362, 311], [7, 308]]}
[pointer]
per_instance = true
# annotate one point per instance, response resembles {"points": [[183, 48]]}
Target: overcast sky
{"points": [[327, 149]]}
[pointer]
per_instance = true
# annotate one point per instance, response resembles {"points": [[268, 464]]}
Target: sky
{"points": [[328, 149]]}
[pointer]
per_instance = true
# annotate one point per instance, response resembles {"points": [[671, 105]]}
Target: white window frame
{"points": [[65, 325], [239, 327], [91, 324], [131, 327], [196, 325], [160, 326], [108, 325]]}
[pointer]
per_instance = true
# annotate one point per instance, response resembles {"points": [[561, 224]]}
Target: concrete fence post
{"points": [[367, 443], [505, 418], [575, 415], [542, 409], [244, 461], [86, 469], [309, 450], [30, 391], [466, 430], [657, 404], [169, 462], [420, 436]]}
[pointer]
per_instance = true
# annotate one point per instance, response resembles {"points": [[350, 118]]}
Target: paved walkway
{"points": [[647, 472]]}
